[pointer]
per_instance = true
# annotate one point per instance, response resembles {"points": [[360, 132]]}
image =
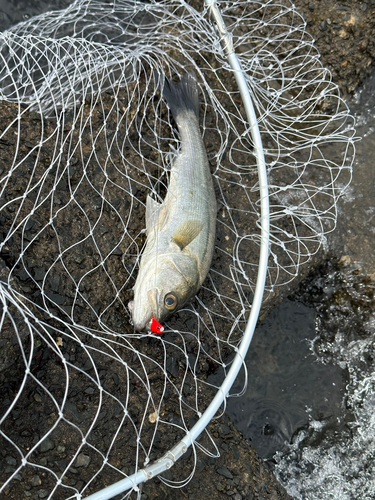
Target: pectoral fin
{"points": [[187, 232], [153, 209]]}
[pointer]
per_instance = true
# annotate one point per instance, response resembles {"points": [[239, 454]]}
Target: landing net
{"points": [[85, 136]]}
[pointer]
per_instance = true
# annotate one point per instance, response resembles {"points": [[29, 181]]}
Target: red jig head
{"points": [[156, 327]]}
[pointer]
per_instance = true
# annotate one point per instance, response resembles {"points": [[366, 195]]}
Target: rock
{"points": [[10, 460], [220, 487], [39, 273], [62, 464], [83, 460], [36, 481], [223, 471], [342, 8], [47, 445], [23, 275], [80, 259], [224, 429], [55, 282], [37, 397], [29, 224], [172, 366], [43, 493], [236, 453]]}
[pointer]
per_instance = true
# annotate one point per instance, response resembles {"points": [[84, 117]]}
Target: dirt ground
{"points": [[344, 34]]}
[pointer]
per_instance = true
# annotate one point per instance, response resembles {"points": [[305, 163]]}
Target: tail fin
{"points": [[183, 96]]}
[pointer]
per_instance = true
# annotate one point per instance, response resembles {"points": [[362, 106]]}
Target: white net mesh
{"points": [[85, 135]]}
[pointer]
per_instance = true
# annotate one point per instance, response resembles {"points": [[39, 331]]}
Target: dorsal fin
{"points": [[153, 209]]}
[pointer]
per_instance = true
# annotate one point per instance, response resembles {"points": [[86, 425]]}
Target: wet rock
{"points": [[224, 429]]}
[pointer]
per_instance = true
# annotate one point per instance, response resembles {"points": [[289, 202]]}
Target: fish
{"points": [[180, 230]]}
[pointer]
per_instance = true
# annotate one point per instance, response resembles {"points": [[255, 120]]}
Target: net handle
{"points": [[168, 460]]}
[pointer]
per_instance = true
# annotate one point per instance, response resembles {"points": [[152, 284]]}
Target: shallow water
{"points": [[286, 385], [325, 462], [335, 459]]}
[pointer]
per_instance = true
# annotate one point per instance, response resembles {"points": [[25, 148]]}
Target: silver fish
{"points": [[181, 230]]}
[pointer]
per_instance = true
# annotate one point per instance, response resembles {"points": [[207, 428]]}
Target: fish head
{"points": [[163, 287]]}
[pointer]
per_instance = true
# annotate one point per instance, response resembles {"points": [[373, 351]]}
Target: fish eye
{"points": [[170, 301]]}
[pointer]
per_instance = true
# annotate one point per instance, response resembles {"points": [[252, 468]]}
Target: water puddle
{"points": [[287, 386], [334, 460]]}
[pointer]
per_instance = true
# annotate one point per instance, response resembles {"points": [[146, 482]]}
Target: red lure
{"points": [[156, 327]]}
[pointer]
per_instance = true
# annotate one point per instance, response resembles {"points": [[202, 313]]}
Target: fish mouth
{"points": [[152, 310], [144, 324]]}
